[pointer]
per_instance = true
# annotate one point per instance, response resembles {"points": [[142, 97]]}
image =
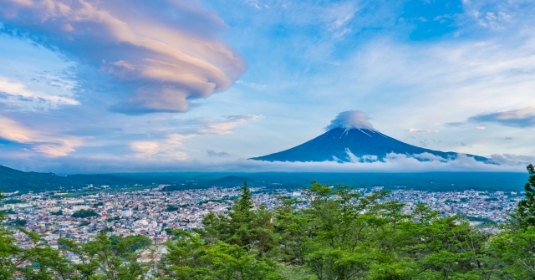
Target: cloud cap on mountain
{"points": [[351, 119]]}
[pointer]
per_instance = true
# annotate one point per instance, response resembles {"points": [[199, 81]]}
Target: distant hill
{"points": [[14, 180]]}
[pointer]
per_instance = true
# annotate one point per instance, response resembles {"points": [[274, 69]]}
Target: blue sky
{"points": [[92, 86]]}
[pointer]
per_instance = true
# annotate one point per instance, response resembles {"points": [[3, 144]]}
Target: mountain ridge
{"points": [[15, 180]]}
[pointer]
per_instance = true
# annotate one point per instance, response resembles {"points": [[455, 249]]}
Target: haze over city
{"points": [[94, 86]]}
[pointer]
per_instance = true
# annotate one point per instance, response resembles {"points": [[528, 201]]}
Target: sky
{"points": [[176, 85]]}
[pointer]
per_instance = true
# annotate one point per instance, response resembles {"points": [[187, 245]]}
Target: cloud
{"points": [[508, 159], [151, 48], [51, 146], [417, 130], [212, 153], [168, 149], [392, 163], [454, 124], [343, 14], [351, 119], [15, 90], [251, 85], [227, 125], [523, 118], [494, 15]]}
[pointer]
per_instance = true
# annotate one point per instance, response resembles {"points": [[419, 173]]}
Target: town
{"points": [[153, 213]]}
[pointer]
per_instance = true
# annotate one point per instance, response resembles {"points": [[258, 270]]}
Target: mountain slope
{"points": [[14, 180], [338, 144]]}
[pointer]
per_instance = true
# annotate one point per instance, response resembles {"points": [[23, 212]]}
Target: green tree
{"points": [[244, 226], [42, 261], [189, 257], [290, 232], [84, 213], [171, 208], [512, 251], [526, 207], [240, 219], [108, 258]]}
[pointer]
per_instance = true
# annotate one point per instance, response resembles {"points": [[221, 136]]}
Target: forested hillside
{"points": [[334, 233], [14, 180]]}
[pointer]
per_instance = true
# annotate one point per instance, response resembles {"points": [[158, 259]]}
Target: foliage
{"points": [[84, 213], [190, 257], [19, 222], [111, 219], [130, 244], [7, 212], [84, 223], [171, 208], [57, 213], [13, 201], [526, 208], [106, 230], [105, 258]]}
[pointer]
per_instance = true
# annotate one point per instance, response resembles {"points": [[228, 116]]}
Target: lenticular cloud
{"points": [[351, 119], [148, 46]]}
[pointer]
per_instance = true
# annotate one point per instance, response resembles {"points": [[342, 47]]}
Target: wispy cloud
{"points": [[152, 48], [168, 149], [252, 85], [227, 125], [522, 118], [494, 14], [17, 92], [417, 130]]}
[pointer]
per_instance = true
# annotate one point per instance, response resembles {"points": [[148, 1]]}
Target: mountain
{"points": [[340, 144], [15, 180]]}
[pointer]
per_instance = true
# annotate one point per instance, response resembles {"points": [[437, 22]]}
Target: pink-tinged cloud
{"points": [[524, 118], [40, 142], [168, 52]]}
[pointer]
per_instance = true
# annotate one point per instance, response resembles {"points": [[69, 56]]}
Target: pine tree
{"points": [[526, 207], [234, 229], [241, 217], [245, 203]]}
